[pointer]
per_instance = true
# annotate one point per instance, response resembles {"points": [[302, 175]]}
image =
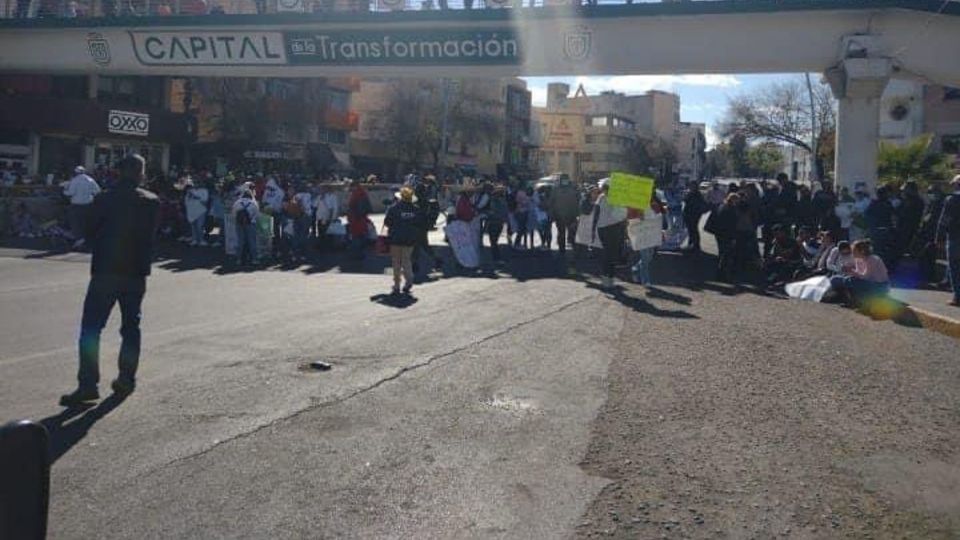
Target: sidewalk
{"points": [[930, 309]]}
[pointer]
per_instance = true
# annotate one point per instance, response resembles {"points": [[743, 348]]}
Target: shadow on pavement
{"points": [[71, 425], [399, 301]]}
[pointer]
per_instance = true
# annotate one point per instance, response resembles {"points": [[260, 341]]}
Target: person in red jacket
{"points": [[358, 210]]}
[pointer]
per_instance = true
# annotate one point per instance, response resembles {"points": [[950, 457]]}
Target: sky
{"points": [[703, 98]]}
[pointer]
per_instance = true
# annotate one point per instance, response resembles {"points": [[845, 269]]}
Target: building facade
{"points": [[51, 124], [691, 145], [942, 118], [588, 137]]}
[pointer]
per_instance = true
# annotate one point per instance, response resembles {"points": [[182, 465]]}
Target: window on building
{"points": [[599, 121], [950, 144], [333, 136], [338, 101], [141, 91]]}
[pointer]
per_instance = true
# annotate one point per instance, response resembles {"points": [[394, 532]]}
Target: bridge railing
{"points": [[29, 9]]}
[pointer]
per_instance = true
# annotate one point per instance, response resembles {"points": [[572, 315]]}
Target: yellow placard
{"points": [[630, 190]]}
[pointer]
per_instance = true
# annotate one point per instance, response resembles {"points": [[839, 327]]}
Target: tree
{"points": [[912, 161], [654, 155], [781, 112], [414, 122], [718, 161], [738, 155], [765, 160]]}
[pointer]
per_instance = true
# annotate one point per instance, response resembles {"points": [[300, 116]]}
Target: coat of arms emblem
{"points": [[99, 48], [577, 43]]}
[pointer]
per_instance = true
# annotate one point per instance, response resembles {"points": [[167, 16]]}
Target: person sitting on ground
{"points": [[867, 279], [827, 243], [23, 225], [840, 259], [809, 247], [785, 257]]}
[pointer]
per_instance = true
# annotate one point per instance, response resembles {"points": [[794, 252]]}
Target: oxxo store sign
{"points": [[128, 123], [340, 48]]}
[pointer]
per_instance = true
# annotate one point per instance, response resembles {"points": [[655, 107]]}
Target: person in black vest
{"points": [[121, 230]]}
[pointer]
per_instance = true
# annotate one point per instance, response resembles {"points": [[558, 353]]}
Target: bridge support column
{"points": [[858, 84]]}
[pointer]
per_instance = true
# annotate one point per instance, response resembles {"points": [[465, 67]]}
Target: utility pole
{"points": [[444, 122], [814, 173]]}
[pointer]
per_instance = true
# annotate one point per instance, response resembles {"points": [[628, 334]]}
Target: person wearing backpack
{"points": [[245, 214], [948, 232]]}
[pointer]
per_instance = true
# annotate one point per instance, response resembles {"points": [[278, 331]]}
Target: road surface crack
{"points": [[371, 387]]}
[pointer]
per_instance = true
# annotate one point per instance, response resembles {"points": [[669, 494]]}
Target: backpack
{"points": [[243, 216]]}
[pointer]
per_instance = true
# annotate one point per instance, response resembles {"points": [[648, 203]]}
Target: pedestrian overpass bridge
{"points": [[857, 44]]}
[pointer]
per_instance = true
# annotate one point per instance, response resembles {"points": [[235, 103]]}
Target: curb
{"points": [[932, 321]]}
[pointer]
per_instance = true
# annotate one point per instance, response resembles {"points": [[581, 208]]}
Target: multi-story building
{"points": [[51, 124], [941, 107], [519, 146], [588, 137], [691, 145]]}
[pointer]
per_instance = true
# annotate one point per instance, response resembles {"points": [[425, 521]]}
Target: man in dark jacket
{"points": [[564, 210], [121, 229], [693, 207], [909, 214], [948, 232], [880, 217], [404, 222]]}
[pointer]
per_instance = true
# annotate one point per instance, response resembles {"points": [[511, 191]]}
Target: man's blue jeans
{"points": [[197, 233], [641, 270], [953, 266], [247, 244], [103, 292]]}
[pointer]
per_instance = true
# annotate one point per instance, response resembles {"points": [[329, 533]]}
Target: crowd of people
{"points": [[787, 231], [805, 232]]}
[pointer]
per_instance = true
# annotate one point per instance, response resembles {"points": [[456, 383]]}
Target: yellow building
{"points": [[588, 137]]}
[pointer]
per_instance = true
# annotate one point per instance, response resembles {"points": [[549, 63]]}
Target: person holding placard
{"points": [[609, 224]]}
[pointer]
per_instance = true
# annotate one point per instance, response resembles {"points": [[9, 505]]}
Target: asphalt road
{"points": [[521, 403]]}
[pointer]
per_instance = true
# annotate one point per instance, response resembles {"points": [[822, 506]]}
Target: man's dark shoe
{"points": [[122, 388], [80, 398]]}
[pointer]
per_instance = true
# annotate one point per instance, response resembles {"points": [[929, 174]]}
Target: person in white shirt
{"points": [[195, 201], [840, 259], [81, 189]]}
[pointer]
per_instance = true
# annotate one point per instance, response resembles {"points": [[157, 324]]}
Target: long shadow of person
{"points": [[64, 434], [399, 301]]}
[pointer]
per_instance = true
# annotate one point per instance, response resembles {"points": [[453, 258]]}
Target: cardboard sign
{"points": [[630, 190]]}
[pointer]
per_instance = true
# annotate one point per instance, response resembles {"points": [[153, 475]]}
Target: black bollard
{"points": [[24, 481]]}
